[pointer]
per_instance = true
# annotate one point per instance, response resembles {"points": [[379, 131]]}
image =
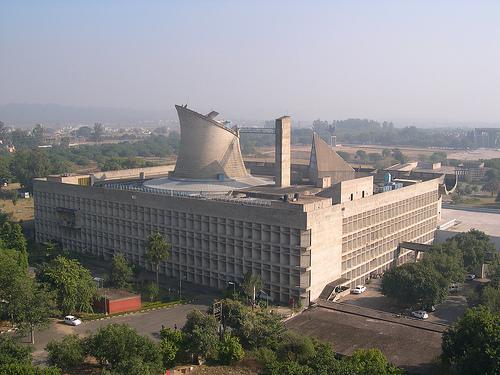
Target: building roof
{"points": [[191, 186], [115, 294]]}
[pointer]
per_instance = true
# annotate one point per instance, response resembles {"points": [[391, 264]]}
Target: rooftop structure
{"points": [[208, 149]]}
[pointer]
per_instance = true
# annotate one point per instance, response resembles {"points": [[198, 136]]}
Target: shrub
{"points": [[117, 343], [230, 350], [67, 353], [13, 352]]}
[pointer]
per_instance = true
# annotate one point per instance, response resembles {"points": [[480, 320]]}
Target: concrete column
{"points": [[282, 164]]}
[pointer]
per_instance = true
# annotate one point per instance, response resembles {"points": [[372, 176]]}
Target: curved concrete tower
{"points": [[207, 148]]}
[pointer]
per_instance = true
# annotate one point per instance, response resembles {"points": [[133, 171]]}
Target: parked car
{"points": [[470, 277], [72, 320], [454, 287], [420, 314], [359, 289]]}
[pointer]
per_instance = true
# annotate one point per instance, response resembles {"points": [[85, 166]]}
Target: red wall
{"points": [[123, 305], [120, 305]]}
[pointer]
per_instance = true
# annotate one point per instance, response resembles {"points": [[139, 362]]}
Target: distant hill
{"points": [[27, 114]]}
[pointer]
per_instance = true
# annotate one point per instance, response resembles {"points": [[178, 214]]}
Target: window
{"points": [[352, 196], [363, 194]]}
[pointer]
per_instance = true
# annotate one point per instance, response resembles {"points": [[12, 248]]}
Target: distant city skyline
{"points": [[419, 63]]}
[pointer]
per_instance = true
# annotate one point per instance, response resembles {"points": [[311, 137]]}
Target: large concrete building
{"points": [[303, 240]]}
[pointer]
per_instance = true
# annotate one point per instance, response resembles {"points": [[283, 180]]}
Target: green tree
{"points": [[492, 175], [201, 335], [74, 286], [31, 306], [28, 369], [13, 238], [261, 329], [415, 284], [5, 175], [295, 347], [368, 362], [12, 271], [492, 187], [386, 153], [361, 155], [447, 259], [28, 164], [472, 344], [251, 285], [13, 352], [474, 245], [51, 250], [115, 344], [121, 272], [151, 291], [98, 132], [399, 156], [38, 134], [230, 350], [171, 344], [490, 297], [497, 199], [438, 157], [158, 250], [67, 353], [288, 368]]}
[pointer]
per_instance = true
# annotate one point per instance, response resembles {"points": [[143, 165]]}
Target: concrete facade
{"points": [[282, 165], [208, 148], [296, 247]]}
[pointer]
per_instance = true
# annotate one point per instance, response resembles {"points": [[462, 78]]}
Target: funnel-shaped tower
{"points": [[208, 149]]}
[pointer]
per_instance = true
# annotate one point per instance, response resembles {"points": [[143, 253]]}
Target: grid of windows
{"points": [[370, 239], [206, 249]]}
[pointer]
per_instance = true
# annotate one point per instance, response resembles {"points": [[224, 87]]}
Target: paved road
{"points": [[147, 323]]}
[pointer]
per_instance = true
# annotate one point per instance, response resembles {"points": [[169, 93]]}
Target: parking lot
{"points": [[446, 313], [412, 348]]}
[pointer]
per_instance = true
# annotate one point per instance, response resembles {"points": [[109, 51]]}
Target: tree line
{"points": [[472, 344], [28, 163]]}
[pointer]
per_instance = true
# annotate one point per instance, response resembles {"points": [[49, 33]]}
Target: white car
{"points": [[454, 287], [470, 277], [359, 289], [72, 320], [420, 314]]}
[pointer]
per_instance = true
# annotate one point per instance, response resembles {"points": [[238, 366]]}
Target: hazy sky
{"points": [[413, 60]]}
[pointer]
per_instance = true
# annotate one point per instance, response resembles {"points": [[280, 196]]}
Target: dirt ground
{"points": [[23, 209]]}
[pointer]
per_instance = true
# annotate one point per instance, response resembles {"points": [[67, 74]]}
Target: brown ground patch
{"points": [[23, 209]]}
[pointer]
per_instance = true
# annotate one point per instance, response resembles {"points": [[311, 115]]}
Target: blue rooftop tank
{"points": [[387, 178]]}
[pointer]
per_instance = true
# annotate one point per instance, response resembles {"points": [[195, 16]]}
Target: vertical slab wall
{"points": [[282, 163]]}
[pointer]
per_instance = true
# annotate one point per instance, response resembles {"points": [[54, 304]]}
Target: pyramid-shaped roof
{"points": [[325, 159]]}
